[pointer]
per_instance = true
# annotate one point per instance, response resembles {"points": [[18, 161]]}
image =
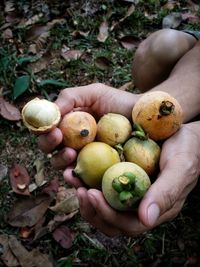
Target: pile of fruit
{"points": [[115, 155]]}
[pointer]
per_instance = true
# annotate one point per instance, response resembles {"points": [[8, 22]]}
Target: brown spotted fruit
{"points": [[78, 128], [159, 114]]}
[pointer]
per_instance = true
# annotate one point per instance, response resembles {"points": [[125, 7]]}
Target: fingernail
{"points": [[153, 213]]}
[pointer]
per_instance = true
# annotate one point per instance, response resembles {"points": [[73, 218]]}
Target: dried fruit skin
{"points": [[142, 182], [40, 115], [113, 129], [79, 128], [93, 160], [159, 114], [145, 153]]}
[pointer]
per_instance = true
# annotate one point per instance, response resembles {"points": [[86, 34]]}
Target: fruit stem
{"points": [[84, 132], [126, 182], [166, 108], [139, 132]]}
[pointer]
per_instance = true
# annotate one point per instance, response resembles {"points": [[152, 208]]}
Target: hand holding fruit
{"points": [[98, 100]]}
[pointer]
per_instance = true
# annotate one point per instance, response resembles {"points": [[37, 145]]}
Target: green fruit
{"points": [[145, 153], [124, 184], [93, 160]]}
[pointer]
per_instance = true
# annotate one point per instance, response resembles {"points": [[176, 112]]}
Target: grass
{"points": [[174, 243]]}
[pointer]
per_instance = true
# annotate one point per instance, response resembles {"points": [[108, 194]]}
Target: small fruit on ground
{"points": [[93, 160], [113, 129], [40, 115], [124, 184], [79, 128], [159, 114]]}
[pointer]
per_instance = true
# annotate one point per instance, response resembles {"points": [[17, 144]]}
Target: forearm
{"points": [[184, 83]]}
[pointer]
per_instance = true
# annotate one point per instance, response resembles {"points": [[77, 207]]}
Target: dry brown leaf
{"points": [[6, 254], [170, 5], [28, 211], [9, 111], [129, 12], [66, 201], [39, 176], [52, 187], [19, 179], [103, 32], [64, 236], [72, 54], [33, 258], [36, 31], [7, 34], [130, 42], [102, 63], [126, 86]]}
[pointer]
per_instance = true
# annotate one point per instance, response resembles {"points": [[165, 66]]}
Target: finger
{"points": [[89, 214], [70, 179], [63, 158], [174, 180], [48, 142], [126, 222]]}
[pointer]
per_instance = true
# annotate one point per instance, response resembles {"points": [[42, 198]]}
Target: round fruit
{"points": [[40, 115], [143, 152], [113, 129], [124, 184], [159, 114], [79, 128], [93, 160]]}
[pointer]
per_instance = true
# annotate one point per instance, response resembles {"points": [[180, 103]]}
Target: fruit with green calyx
{"points": [[93, 160], [142, 151], [124, 184]]}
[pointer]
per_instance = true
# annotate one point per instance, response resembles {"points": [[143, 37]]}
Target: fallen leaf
{"points": [[64, 236], [9, 111], [27, 212], [72, 54], [39, 176], [6, 254], [51, 188], [103, 32], [130, 42], [126, 86], [172, 20], [27, 258], [25, 232], [170, 5], [66, 201], [102, 63], [19, 179], [7, 34], [35, 31], [128, 13]]}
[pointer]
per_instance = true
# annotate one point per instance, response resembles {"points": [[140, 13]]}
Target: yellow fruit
{"points": [[93, 160], [113, 129]]}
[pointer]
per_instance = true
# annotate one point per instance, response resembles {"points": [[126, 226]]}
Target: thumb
{"points": [[163, 194]]}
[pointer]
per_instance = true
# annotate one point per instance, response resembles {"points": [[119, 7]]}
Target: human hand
{"points": [[96, 99], [179, 171]]}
